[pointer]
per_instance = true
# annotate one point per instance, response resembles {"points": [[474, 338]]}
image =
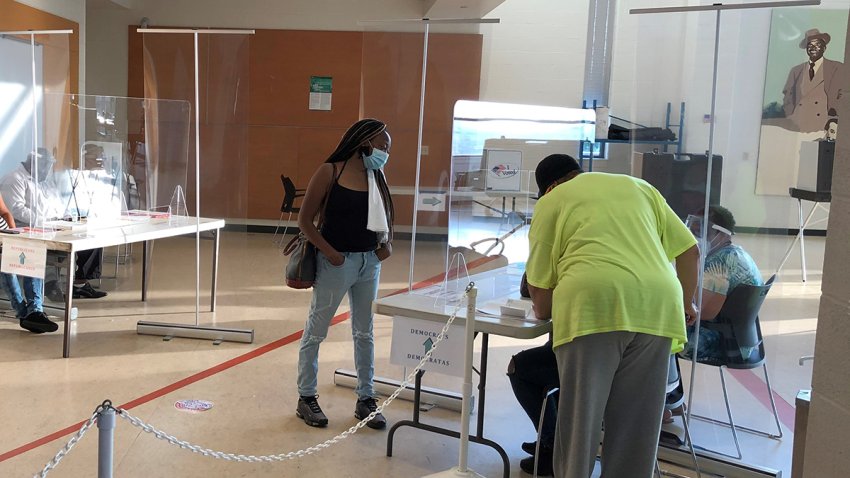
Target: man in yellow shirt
{"points": [[600, 266]]}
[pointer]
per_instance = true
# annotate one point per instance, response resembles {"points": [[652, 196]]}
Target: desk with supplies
{"points": [[71, 241], [427, 304]]}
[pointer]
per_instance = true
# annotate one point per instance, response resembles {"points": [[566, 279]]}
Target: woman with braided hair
{"points": [[355, 236]]}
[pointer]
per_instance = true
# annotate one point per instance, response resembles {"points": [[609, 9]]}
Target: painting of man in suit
{"points": [[813, 87], [802, 90]]}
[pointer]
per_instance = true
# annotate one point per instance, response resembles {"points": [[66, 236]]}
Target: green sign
{"points": [[321, 84]]}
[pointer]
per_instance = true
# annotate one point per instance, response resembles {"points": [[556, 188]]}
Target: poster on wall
{"points": [[321, 92], [801, 88]]}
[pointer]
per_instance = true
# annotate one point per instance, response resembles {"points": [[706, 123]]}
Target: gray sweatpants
{"points": [[618, 377]]}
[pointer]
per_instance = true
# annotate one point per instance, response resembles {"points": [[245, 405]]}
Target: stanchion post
{"points": [[472, 295], [105, 441]]}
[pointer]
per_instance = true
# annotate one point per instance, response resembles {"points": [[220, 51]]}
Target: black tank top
{"points": [[346, 215]]}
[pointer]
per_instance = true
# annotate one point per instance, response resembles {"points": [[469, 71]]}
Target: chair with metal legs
{"points": [[540, 426], [743, 348], [287, 206], [675, 403]]}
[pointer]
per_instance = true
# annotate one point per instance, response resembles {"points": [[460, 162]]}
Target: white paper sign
{"points": [[24, 258], [412, 338]]}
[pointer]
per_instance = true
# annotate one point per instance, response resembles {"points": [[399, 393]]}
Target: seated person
{"points": [[27, 306], [533, 373], [19, 188], [727, 266]]}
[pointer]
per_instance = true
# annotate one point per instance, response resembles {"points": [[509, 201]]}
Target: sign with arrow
{"points": [[413, 338], [23, 257], [431, 202]]}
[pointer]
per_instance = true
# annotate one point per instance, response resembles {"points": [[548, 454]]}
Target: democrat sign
{"points": [[413, 338]]}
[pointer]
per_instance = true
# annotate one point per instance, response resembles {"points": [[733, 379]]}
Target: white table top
{"points": [[126, 232], [493, 286]]}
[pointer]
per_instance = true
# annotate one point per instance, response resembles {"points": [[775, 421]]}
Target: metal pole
{"points": [[704, 233], [418, 156], [467, 378], [34, 163], [197, 190], [105, 442]]}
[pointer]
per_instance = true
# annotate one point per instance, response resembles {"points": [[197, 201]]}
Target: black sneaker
{"points": [[86, 291], [364, 408], [38, 323], [310, 411], [544, 466]]}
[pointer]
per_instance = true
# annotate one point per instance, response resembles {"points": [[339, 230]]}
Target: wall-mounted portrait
{"points": [[801, 89]]}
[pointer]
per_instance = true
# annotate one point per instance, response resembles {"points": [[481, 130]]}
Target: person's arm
{"points": [[321, 181], [789, 92], [687, 271], [712, 302], [541, 301], [15, 191], [6, 214]]}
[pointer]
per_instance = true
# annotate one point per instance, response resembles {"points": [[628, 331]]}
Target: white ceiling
{"points": [[459, 8], [430, 8]]}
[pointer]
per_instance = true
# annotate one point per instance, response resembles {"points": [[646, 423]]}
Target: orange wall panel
{"points": [[374, 75]]}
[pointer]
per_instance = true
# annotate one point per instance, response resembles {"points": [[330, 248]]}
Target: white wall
{"points": [[669, 57], [74, 10], [536, 54]]}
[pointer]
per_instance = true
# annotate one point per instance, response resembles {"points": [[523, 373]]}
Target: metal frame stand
{"points": [[801, 235], [197, 331]]}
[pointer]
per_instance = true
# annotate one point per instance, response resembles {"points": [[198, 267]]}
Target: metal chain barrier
{"points": [[135, 421], [73, 441]]}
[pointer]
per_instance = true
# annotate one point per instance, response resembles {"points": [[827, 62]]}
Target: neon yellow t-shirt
{"points": [[605, 243]]}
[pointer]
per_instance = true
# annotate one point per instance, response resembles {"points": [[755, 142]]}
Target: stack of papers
{"points": [[507, 309]]}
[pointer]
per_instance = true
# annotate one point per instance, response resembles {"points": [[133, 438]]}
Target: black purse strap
{"points": [[328, 194]]}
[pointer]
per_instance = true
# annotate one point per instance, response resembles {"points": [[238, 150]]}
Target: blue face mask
{"points": [[376, 160]]}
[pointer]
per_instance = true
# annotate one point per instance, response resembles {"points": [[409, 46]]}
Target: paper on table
{"points": [[506, 309]]}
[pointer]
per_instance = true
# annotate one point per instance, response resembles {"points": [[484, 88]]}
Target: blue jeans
{"points": [[32, 291], [358, 277]]}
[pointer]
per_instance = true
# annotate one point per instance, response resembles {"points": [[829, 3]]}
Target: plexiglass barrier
{"points": [[735, 165], [492, 193], [125, 163]]}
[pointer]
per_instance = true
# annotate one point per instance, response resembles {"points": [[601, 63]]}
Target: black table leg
{"points": [[477, 438]]}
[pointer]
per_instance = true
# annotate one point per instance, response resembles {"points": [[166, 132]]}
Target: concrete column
{"points": [[828, 436]]}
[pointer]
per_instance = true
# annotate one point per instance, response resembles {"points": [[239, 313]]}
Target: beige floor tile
{"points": [[254, 401]]}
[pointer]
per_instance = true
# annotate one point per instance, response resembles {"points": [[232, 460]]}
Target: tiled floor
{"points": [[254, 400]]}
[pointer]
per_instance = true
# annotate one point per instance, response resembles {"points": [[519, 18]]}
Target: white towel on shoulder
{"points": [[377, 220]]}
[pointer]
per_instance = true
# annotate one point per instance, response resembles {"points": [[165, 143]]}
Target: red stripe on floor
{"points": [[214, 370], [756, 386], [172, 387]]}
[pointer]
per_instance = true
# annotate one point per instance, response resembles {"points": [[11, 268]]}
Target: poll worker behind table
{"points": [[727, 266], [355, 236], [27, 305], [601, 248], [19, 189]]}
